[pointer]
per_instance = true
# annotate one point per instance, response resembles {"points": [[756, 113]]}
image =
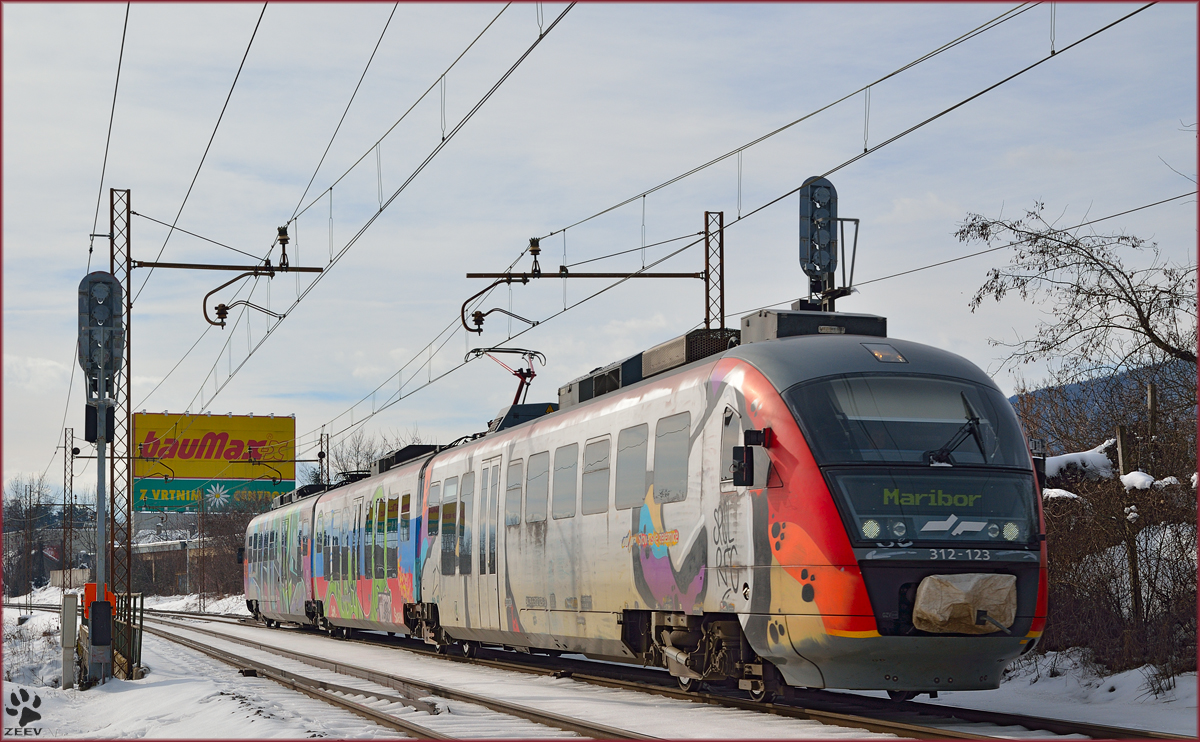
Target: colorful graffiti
{"points": [[658, 581]]}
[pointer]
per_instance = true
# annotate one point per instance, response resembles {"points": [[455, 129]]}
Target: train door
{"points": [[358, 560], [733, 519], [488, 598], [533, 537], [563, 557], [466, 556]]}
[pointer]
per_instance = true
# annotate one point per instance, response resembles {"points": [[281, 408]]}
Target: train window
{"points": [[432, 514], [908, 420], [482, 520], [336, 547], [405, 525], [382, 532], [449, 526], [631, 466], [671, 439], [393, 554], [370, 540], [537, 487], [595, 477], [566, 472], [466, 513], [320, 567], [731, 428], [494, 519], [512, 496]]}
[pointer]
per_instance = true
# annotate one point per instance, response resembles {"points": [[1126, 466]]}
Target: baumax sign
{"points": [[226, 460]]}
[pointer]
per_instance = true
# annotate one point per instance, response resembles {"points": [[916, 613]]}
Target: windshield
{"points": [[970, 507], [898, 419]]}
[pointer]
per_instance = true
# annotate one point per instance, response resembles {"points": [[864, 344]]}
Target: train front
{"points": [[905, 529]]}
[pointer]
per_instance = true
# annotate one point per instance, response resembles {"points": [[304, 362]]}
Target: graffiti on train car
{"points": [[359, 569], [659, 583]]}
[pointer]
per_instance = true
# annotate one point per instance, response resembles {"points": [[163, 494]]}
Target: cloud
{"points": [[926, 208]]}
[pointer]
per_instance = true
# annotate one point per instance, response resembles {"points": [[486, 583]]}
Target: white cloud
{"points": [[618, 98]]}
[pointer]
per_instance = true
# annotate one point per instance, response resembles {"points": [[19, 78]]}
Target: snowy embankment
{"points": [[186, 695]]}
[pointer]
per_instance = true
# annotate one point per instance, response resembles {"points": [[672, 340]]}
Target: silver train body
{"points": [[638, 526]]}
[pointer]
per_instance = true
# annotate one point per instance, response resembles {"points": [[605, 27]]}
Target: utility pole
{"points": [[323, 457], [120, 535], [714, 269], [68, 518]]}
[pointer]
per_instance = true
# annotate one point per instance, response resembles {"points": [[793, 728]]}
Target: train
{"points": [[801, 502]]}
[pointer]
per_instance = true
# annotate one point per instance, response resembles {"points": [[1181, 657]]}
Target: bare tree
{"points": [[1105, 317], [359, 450]]}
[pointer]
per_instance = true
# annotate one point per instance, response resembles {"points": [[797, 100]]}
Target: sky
{"points": [[614, 100]]}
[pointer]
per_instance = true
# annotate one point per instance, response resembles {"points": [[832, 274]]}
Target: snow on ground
{"points": [[187, 695], [1058, 685]]}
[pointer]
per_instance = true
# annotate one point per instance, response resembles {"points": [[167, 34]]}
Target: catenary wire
{"points": [[193, 234], [108, 138], [347, 110], [390, 402], [1002, 18], [402, 117], [206, 149], [95, 218], [1007, 15], [362, 230], [393, 126], [982, 252], [938, 115]]}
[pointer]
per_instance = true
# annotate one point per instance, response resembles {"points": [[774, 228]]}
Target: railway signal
{"points": [[820, 228]]}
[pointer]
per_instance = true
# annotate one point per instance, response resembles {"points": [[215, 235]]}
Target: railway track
{"points": [[390, 700], [908, 719], [918, 721]]}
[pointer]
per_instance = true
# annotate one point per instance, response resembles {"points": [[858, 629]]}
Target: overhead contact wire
{"points": [[371, 220], [96, 217], [776, 200], [207, 147]]}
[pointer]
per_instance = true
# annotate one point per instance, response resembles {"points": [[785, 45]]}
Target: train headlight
{"points": [[1011, 531], [993, 530], [871, 529], [899, 529]]}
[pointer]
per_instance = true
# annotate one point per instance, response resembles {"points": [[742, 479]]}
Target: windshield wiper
{"points": [[941, 456]]}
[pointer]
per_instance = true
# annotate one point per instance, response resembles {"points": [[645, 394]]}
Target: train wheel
{"points": [[470, 650], [688, 685], [762, 696], [901, 695]]}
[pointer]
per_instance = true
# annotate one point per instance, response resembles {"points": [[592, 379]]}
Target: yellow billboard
{"points": [[228, 460]]}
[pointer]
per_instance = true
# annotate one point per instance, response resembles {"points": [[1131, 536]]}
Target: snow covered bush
{"points": [[1121, 549]]}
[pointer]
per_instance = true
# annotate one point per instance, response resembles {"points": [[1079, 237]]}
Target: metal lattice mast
{"points": [[323, 455], [121, 465], [68, 511], [714, 269]]}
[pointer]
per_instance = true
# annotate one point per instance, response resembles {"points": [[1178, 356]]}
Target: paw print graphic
{"points": [[778, 533], [808, 592], [20, 704], [776, 631]]}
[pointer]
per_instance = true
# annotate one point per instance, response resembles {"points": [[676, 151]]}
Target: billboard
{"points": [[227, 462]]}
